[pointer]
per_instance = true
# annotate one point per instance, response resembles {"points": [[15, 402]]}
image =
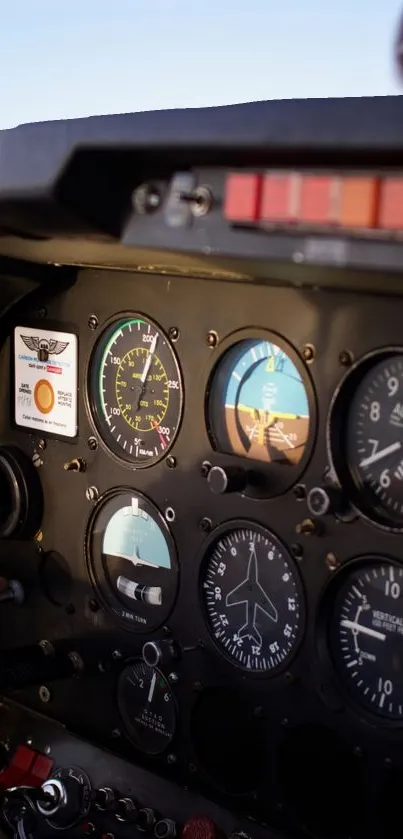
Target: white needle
{"points": [[366, 630], [149, 358], [368, 461], [152, 687]]}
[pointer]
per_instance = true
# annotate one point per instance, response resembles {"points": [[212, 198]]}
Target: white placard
{"points": [[45, 373]]}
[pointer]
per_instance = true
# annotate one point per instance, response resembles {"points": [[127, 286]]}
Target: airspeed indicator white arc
{"points": [[252, 597], [136, 390]]}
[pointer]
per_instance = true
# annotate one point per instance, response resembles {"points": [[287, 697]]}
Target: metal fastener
{"points": [[212, 338], [92, 494], [92, 444], [44, 694], [93, 322]]}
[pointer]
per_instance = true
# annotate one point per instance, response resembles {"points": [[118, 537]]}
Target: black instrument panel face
{"points": [[248, 593]]}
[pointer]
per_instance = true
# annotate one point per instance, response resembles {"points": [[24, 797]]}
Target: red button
{"points": [[317, 200], [26, 767], [280, 196], [242, 197], [391, 204], [200, 828]]}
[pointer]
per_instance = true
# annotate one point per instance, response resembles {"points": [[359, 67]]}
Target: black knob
{"points": [[324, 500], [154, 652], [126, 810], [165, 829], [146, 819], [105, 799], [231, 479]]}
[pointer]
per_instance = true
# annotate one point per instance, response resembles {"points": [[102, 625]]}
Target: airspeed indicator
{"points": [[136, 390]]}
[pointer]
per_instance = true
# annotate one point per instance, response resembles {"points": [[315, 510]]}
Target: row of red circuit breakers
{"points": [[353, 201]]}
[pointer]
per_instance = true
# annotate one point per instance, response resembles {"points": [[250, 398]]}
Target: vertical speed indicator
{"points": [[136, 390]]}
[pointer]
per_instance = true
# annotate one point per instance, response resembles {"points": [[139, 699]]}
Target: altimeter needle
{"points": [[368, 461]]}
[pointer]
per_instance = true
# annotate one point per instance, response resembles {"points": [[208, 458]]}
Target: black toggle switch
{"points": [[231, 479]]}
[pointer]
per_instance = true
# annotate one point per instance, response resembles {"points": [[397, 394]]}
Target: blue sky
{"points": [[66, 58]]}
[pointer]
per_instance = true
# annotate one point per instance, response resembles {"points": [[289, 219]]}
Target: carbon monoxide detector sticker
{"points": [[45, 376]]}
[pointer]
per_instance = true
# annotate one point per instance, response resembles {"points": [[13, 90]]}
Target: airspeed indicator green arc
{"points": [[136, 390]]}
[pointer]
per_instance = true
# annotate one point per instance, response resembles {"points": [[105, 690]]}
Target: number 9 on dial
{"points": [[366, 437]]}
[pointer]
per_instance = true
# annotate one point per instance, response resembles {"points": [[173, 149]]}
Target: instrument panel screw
{"points": [[171, 758], [346, 358], [307, 527], [357, 751], [41, 445], [44, 694], [48, 750], [92, 444], [42, 313], [205, 468], [170, 515], [285, 722], [116, 733], [93, 605], [308, 353], [92, 494], [258, 712], [197, 686], [116, 654], [171, 462], [212, 338], [37, 460], [206, 524], [174, 678], [173, 333], [331, 561], [387, 762], [192, 768], [93, 322]]}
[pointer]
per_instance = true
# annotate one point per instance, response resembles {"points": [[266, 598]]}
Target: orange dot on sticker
{"points": [[44, 396]]}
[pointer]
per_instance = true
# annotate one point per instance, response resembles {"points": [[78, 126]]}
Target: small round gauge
{"points": [[132, 561], [258, 404], [147, 707], [366, 437], [136, 390], [365, 633], [252, 597]]}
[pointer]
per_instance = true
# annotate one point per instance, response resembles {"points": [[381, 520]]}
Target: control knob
{"points": [[230, 479], [324, 500]]}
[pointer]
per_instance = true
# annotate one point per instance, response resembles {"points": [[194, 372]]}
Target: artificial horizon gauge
{"points": [[366, 437], [147, 707], [364, 611], [131, 559], [252, 597], [260, 406], [135, 390]]}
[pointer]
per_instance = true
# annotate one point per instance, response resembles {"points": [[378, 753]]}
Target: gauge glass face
{"points": [[132, 560], [366, 636], [374, 440], [136, 390], [252, 597], [147, 707], [258, 404]]}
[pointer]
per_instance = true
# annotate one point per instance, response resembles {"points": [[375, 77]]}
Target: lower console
{"points": [[53, 782]]}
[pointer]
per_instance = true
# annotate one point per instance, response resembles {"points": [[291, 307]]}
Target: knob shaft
{"points": [[231, 479]]}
